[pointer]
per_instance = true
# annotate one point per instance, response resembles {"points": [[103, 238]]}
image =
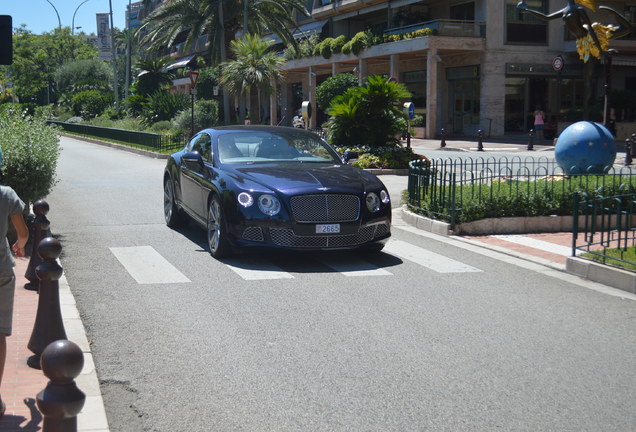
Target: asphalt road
{"points": [[430, 334]]}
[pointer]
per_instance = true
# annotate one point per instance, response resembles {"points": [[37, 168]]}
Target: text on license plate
{"points": [[327, 228]]}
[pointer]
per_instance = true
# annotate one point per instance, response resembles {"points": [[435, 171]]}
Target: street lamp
{"points": [[59, 21], [73, 21]]}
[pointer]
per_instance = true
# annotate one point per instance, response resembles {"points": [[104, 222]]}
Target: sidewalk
{"points": [[21, 384]]}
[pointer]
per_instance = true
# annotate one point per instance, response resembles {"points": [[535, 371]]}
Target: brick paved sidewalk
{"points": [[21, 384]]}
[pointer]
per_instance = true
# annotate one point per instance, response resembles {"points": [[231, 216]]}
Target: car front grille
{"points": [[286, 237], [325, 208]]}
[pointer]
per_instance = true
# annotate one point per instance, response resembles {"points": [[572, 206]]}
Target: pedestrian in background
{"points": [[11, 208], [539, 122]]}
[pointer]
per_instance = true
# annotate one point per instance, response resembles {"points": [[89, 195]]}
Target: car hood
{"points": [[308, 178]]}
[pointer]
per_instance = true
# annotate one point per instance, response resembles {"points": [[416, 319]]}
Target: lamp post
{"points": [[59, 21], [73, 21]]}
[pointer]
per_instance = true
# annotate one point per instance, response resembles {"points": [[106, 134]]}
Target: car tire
{"points": [[216, 230], [172, 213]]}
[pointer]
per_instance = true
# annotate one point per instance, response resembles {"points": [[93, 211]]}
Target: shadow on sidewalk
{"points": [[13, 422]]}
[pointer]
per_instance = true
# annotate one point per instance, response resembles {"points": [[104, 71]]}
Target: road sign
{"points": [[557, 63], [409, 110], [193, 91], [392, 79], [194, 76]]}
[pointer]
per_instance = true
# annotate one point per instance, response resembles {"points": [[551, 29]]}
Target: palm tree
{"points": [[254, 67], [220, 20], [153, 75]]}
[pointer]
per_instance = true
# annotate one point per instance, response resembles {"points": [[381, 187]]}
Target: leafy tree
{"points": [[37, 57], [368, 115], [208, 79], [254, 68], [30, 151], [80, 75], [334, 86]]}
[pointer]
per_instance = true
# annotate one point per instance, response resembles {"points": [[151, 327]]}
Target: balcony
{"points": [[441, 27]]}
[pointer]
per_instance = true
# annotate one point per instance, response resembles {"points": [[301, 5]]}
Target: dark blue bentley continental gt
{"points": [[276, 187]]}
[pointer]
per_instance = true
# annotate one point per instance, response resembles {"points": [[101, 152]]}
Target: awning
{"points": [[183, 62], [302, 31]]}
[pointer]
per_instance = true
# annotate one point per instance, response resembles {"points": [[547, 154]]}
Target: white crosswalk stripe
{"points": [[251, 268], [426, 258], [354, 266], [147, 266]]}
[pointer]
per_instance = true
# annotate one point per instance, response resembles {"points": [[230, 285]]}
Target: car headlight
{"points": [[245, 199], [373, 202], [269, 204], [384, 197]]}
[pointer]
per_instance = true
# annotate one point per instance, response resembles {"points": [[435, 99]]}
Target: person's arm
{"points": [[23, 234]]}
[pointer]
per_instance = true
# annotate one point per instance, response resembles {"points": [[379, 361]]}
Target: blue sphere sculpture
{"points": [[585, 147]]}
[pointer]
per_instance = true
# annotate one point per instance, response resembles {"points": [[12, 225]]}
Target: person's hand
{"points": [[18, 249]]}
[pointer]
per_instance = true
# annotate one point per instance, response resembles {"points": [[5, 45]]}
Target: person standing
{"points": [[539, 121], [11, 208]]}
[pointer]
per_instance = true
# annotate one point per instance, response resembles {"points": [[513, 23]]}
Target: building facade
{"points": [[483, 65]]}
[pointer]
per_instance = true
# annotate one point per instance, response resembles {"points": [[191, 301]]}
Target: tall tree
{"points": [[220, 20], [37, 57], [254, 67]]}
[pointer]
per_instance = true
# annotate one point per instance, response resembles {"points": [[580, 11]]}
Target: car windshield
{"points": [[259, 146]]}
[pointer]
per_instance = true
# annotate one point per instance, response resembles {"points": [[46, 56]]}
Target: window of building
{"points": [[524, 28], [463, 12]]}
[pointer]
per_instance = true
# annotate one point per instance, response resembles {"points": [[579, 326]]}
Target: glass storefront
{"points": [[464, 96]]}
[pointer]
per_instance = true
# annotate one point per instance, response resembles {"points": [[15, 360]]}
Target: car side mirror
{"points": [[349, 155], [193, 160]]}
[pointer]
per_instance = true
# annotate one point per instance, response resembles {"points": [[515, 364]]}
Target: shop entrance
{"points": [[523, 95]]}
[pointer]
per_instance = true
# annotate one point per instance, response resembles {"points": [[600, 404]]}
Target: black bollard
{"points": [[628, 151], [480, 142], [531, 140], [41, 225], [634, 144], [48, 326], [61, 400], [443, 133]]}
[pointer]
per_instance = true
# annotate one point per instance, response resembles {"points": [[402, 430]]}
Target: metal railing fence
{"points": [[605, 229], [142, 140], [466, 189]]}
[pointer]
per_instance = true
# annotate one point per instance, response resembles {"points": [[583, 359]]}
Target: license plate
{"points": [[327, 228]]}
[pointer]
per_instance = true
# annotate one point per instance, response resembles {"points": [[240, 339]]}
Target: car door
{"points": [[193, 175]]}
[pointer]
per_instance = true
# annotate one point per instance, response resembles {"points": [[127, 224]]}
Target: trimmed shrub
{"points": [[90, 103], [206, 114], [30, 150], [338, 43], [334, 86], [162, 105]]}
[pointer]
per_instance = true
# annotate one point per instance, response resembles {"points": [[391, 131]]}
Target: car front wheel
{"points": [[217, 234]]}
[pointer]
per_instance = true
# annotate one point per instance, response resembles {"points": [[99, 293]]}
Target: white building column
{"points": [[395, 66], [285, 102], [432, 63], [362, 71]]}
